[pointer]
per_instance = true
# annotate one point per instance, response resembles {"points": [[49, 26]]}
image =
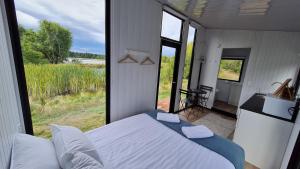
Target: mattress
{"points": [[140, 142]]}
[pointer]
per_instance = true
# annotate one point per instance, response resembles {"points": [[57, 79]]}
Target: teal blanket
{"points": [[228, 149]]}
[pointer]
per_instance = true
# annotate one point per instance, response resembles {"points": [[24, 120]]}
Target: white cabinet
{"points": [[263, 138]]}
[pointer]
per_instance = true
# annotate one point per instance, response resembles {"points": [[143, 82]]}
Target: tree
{"points": [[29, 45], [188, 58], [54, 41]]}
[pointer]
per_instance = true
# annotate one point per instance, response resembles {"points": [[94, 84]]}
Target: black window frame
{"points": [[193, 56], [169, 39], [19, 65], [241, 72], [165, 41]]}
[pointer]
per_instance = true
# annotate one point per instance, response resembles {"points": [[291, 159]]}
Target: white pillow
{"points": [[80, 160], [31, 152], [70, 139]]}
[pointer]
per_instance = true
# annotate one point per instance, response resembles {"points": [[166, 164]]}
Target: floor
{"points": [[218, 123], [220, 105], [163, 104]]}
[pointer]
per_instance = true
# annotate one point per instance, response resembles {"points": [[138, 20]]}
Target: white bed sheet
{"points": [[140, 142]]}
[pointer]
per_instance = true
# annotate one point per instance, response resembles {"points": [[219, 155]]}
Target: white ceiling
{"points": [[282, 15]]}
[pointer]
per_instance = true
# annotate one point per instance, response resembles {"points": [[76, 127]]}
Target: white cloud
{"points": [[27, 20], [85, 18]]}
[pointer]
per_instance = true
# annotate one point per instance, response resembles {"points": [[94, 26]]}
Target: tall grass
{"points": [[48, 80]]}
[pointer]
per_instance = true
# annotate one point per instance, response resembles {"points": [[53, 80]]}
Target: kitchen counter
{"points": [[256, 104]]}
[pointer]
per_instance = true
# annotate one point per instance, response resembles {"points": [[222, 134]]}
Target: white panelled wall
{"points": [[274, 57], [10, 109], [136, 25]]}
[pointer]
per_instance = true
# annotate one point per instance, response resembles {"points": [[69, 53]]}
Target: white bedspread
{"points": [[140, 142]]}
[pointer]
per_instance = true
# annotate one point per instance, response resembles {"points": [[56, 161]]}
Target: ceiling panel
{"points": [[279, 15]]}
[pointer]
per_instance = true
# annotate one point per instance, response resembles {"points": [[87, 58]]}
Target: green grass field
{"points": [[67, 95], [71, 95], [227, 74], [85, 111]]}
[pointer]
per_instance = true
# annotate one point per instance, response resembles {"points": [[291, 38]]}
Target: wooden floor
{"points": [[225, 107]]}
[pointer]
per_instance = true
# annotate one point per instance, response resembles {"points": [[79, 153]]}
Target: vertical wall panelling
{"points": [[136, 25], [10, 108], [273, 58]]}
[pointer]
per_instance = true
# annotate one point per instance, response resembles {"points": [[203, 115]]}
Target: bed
{"points": [[143, 142], [137, 142]]}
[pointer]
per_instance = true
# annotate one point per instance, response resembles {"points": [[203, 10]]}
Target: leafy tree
{"points": [[188, 58], [29, 45], [54, 41]]}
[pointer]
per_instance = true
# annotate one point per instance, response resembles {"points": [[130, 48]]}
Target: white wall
{"points": [[274, 57], [10, 109], [136, 24]]}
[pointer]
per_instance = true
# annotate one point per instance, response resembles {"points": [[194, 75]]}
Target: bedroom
{"points": [[135, 28]]}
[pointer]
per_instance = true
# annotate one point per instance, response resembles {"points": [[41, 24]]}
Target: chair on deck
{"points": [[205, 97]]}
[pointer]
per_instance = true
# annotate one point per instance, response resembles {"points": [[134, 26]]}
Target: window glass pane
{"points": [[166, 77], [64, 59], [171, 27], [230, 69], [188, 57]]}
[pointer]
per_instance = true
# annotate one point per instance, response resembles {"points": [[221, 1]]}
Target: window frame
{"points": [[164, 41], [11, 16], [193, 56], [241, 72], [181, 28]]}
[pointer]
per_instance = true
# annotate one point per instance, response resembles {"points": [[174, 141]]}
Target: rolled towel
{"points": [[200, 131], [168, 117]]}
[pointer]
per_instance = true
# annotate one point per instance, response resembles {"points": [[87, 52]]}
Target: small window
{"points": [[231, 69], [171, 27]]}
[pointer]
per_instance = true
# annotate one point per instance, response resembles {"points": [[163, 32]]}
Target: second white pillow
{"points": [[70, 139], [78, 160]]}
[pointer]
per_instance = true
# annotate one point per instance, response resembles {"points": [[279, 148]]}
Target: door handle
{"points": [[173, 82]]}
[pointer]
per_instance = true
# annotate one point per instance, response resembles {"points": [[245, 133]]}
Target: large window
{"points": [[64, 60], [171, 27], [188, 63], [169, 61], [231, 69]]}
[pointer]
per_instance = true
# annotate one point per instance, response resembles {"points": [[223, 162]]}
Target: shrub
{"points": [[48, 80]]}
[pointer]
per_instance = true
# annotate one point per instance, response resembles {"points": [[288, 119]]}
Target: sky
{"points": [[85, 19], [171, 27]]}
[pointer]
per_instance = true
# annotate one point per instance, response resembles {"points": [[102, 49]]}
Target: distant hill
{"points": [[86, 55]]}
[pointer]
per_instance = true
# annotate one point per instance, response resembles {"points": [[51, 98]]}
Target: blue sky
{"points": [[84, 18]]}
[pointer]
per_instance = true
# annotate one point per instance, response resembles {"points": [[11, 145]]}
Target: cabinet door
{"points": [[263, 138]]}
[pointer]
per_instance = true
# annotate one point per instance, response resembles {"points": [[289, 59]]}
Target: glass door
{"points": [[168, 76]]}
